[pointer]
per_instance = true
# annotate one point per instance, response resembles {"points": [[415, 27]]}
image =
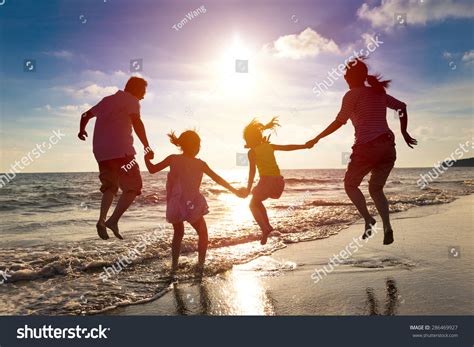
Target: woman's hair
{"points": [[358, 72], [189, 141], [253, 132]]}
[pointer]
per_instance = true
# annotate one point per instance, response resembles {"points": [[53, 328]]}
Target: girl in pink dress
{"points": [[184, 201]]}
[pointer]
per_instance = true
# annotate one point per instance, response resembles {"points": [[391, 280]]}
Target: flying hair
{"points": [[358, 72], [187, 141], [253, 132]]}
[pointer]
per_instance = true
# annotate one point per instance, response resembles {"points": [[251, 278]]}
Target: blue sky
{"points": [[82, 52]]}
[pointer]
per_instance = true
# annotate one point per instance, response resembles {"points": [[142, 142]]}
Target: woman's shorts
{"points": [[377, 157]]}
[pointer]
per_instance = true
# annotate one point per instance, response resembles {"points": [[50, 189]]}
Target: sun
{"points": [[236, 70]]}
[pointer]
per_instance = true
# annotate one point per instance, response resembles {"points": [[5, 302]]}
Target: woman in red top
{"points": [[374, 147]]}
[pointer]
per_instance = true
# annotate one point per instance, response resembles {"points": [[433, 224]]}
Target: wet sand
{"points": [[427, 271]]}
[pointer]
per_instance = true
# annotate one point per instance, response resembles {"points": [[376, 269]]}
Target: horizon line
{"points": [[328, 168]]}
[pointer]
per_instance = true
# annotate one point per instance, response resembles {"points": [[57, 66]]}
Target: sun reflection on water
{"points": [[249, 295], [237, 209]]}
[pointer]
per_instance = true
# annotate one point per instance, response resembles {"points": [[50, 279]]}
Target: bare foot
{"points": [[102, 230], [265, 234], [199, 270], [114, 227], [388, 236], [368, 228]]}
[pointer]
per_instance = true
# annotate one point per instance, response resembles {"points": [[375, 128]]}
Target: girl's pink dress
{"points": [[184, 199]]}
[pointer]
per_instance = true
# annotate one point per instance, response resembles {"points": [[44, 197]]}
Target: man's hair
{"points": [[134, 84]]}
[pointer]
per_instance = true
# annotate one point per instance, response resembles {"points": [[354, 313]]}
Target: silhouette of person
{"points": [[184, 200], [374, 147], [113, 149]]}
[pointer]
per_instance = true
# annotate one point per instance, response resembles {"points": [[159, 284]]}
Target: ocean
{"points": [[53, 263]]}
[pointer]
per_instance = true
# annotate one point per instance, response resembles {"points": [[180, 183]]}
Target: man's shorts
{"points": [[123, 173], [377, 157]]}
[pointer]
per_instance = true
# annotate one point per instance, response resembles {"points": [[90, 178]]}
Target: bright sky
{"points": [[81, 51]]}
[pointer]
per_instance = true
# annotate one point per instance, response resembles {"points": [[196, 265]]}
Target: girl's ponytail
{"points": [[376, 82], [173, 139], [253, 132], [189, 141], [271, 125]]}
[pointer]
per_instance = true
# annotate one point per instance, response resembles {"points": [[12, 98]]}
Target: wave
{"points": [[64, 277], [310, 180]]}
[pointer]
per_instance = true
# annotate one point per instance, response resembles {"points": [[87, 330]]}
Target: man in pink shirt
{"points": [[113, 149]]}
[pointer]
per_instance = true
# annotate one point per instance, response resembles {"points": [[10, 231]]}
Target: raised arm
{"points": [[289, 147], [85, 117], [153, 168], [219, 180], [403, 115], [336, 124], [139, 128]]}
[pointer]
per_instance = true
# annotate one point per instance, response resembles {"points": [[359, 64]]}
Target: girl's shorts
{"points": [[269, 187]]}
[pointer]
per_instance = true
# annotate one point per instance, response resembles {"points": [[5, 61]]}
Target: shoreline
{"points": [[419, 274]]}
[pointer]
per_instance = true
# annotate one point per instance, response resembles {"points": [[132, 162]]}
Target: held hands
{"points": [[242, 193], [311, 143], [409, 140], [149, 154], [82, 135]]}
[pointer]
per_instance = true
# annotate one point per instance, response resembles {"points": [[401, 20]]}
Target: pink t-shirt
{"points": [[367, 109], [113, 137]]}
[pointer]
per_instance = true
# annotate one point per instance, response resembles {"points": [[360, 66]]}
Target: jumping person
{"points": [[184, 201], [113, 149], [261, 156], [374, 147]]}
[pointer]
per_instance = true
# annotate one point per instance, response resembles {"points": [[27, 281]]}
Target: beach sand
{"points": [[419, 274]]}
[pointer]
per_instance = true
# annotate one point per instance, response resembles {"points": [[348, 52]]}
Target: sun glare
{"points": [[238, 209], [236, 70]]}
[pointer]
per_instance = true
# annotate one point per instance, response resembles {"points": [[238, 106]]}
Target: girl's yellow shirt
{"points": [[265, 160]]}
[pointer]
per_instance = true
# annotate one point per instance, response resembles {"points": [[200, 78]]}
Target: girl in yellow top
{"points": [[271, 183]]}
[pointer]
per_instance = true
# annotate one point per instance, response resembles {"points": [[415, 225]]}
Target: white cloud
{"points": [[418, 13], [308, 43], [62, 54], [93, 91], [73, 111], [468, 57], [447, 55], [97, 74]]}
